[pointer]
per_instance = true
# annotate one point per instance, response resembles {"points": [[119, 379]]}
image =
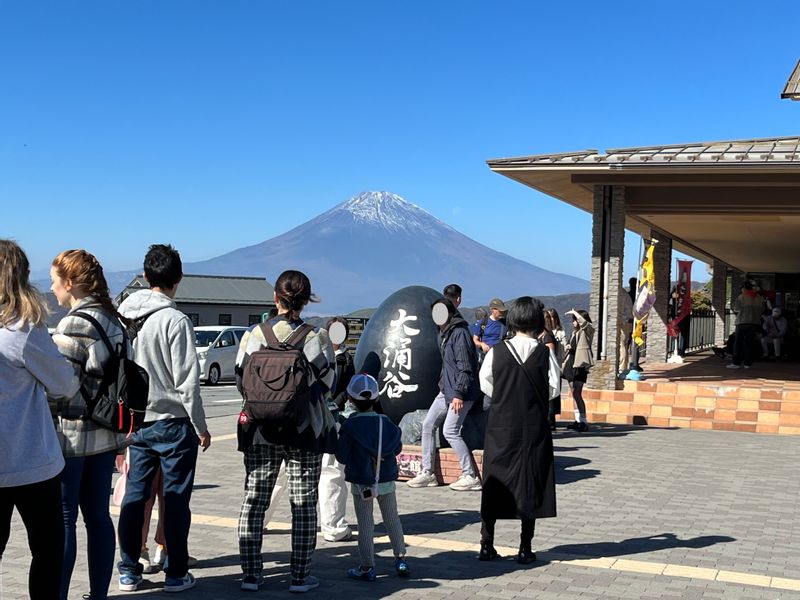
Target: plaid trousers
{"points": [[262, 464]]}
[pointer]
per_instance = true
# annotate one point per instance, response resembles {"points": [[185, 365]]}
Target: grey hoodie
{"points": [[30, 365], [165, 348]]}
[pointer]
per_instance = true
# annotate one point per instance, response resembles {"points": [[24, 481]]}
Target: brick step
{"points": [[446, 467], [697, 406]]}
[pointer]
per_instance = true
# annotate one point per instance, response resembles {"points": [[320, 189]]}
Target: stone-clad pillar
{"points": [[608, 246], [719, 283], [657, 339], [737, 279]]}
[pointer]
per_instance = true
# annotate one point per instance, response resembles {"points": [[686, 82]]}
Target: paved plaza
{"points": [[643, 513]]}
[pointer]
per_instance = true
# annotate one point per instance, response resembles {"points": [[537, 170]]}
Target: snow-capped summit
{"points": [[366, 248], [387, 211]]}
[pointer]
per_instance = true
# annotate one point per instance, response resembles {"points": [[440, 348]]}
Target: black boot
{"points": [[526, 556], [487, 551]]}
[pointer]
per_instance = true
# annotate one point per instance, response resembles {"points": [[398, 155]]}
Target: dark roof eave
{"points": [[757, 152], [694, 165]]}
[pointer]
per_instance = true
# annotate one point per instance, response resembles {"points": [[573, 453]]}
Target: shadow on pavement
{"points": [[603, 429], [639, 545], [437, 521], [558, 449], [567, 473]]}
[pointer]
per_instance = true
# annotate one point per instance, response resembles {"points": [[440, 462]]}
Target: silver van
{"points": [[216, 350]]}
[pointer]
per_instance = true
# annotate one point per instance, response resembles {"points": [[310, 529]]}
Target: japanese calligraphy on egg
{"points": [[397, 353]]}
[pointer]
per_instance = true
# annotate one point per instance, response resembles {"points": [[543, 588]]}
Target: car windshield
{"points": [[204, 338]]}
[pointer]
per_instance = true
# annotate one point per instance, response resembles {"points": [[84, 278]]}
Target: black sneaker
{"points": [[582, 427], [574, 425], [526, 557]]}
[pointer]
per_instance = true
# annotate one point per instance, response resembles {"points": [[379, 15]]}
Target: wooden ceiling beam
{"points": [[703, 200]]}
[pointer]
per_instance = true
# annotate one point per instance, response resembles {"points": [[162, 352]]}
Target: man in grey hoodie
{"points": [[174, 426]]}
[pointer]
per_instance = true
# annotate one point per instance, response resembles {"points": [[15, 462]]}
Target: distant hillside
{"points": [[561, 303]]}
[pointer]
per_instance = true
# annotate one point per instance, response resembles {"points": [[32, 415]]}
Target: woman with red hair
{"points": [[89, 449]]}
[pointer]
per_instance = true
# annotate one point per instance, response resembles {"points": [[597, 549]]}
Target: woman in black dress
{"points": [[518, 472]]}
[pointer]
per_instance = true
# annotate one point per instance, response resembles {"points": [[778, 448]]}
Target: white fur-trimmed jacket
{"points": [[80, 343]]}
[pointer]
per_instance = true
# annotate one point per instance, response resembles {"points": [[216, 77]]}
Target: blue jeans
{"points": [[441, 414], [171, 444], [86, 483]]}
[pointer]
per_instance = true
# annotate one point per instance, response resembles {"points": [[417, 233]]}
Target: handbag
{"points": [[123, 466], [567, 369]]}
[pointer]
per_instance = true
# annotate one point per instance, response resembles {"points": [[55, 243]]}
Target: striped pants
{"points": [[262, 464], [366, 526]]}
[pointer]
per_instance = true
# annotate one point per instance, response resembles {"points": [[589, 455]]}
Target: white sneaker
{"points": [[159, 556], [340, 537], [144, 559], [424, 479], [466, 483], [733, 366], [179, 584]]}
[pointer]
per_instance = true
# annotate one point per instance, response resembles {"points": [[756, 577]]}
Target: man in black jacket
{"points": [[458, 390]]}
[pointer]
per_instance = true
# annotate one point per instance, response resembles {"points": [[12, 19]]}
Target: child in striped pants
{"points": [[368, 447]]}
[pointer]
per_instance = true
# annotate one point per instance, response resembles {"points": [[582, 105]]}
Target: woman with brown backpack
{"points": [[284, 370]]}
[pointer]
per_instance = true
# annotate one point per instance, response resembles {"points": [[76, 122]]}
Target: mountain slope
{"points": [[362, 250]]}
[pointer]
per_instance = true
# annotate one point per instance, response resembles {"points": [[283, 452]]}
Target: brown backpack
{"points": [[275, 382]]}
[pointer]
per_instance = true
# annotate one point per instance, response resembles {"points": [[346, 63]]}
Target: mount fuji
{"points": [[364, 249]]}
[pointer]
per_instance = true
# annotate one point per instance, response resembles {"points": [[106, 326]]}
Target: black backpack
{"points": [[121, 401], [275, 379]]}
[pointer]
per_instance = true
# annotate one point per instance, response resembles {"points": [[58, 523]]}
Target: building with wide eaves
{"points": [[732, 204], [217, 299]]}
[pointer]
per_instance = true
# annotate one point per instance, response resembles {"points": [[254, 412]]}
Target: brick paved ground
{"points": [[646, 502]]}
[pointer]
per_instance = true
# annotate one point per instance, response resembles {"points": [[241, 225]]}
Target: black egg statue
{"points": [[400, 348]]}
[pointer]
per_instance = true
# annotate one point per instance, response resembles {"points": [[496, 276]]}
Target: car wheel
{"points": [[213, 375]]}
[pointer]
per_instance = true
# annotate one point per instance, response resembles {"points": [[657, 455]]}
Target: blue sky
{"points": [[215, 125]]}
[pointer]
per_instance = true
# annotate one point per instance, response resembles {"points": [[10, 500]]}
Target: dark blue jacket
{"points": [[459, 377], [358, 446]]}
